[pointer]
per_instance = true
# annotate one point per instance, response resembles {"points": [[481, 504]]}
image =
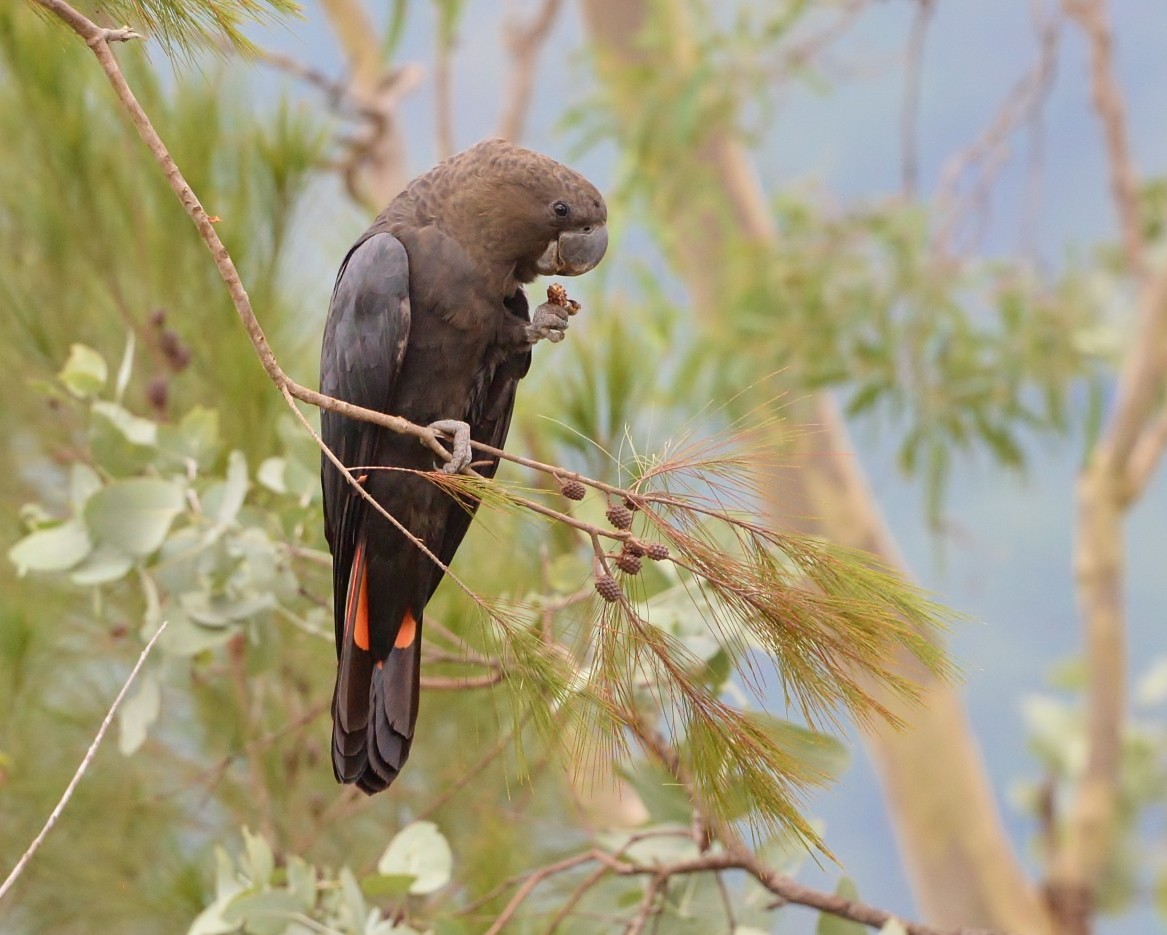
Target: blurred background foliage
{"points": [[151, 473]]}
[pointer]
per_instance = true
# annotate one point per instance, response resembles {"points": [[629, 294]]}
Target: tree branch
{"points": [[1115, 475], [1092, 17], [910, 115]]}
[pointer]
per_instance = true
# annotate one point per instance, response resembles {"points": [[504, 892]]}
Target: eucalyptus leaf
{"points": [[821, 753], [224, 500], [104, 565], [126, 369], [58, 548], [138, 713], [185, 638], [261, 862], [194, 439], [833, 925], [660, 792], [271, 475], [302, 881], [85, 372], [421, 851], [84, 482], [135, 429], [134, 515], [264, 912]]}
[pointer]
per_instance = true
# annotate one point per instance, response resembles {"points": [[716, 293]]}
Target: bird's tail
{"points": [[374, 706]]}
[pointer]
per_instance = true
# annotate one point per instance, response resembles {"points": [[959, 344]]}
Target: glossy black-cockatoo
{"points": [[428, 321]]}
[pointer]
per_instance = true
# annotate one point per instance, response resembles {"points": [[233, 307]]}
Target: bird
{"points": [[428, 320]]}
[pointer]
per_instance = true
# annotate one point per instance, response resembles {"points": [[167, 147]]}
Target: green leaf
{"points": [[262, 913], [134, 515], [261, 862], [84, 482], [215, 610], [227, 886], [184, 638], [126, 368], [104, 565], [421, 851], [661, 794], [271, 475], [135, 429], [195, 438], [85, 372], [121, 443], [381, 886], [833, 925], [821, 753], [137, 713], [56, 549], [354, 900], [302, 881], [1151, 688], [223, 501]]}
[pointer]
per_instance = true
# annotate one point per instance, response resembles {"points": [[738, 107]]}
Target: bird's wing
{"points": [[490, 425], [364, 344]]}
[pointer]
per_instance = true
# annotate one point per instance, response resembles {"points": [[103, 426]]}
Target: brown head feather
{"points": [[499, 202]]}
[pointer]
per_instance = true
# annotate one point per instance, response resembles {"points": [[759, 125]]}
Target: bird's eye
{"points": [[561, 210]]}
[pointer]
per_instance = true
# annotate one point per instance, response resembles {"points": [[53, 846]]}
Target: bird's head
{"points": [[533, 215]]}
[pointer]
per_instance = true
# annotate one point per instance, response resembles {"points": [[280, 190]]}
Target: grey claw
{"points": [[461, 455], [549, 322]]}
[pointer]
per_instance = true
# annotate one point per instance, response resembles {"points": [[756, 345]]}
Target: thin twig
{"points": [[990, 151], [1091, 16], [532, 881], [910, 116], [647, 906], [14, 875], [576, 895]]}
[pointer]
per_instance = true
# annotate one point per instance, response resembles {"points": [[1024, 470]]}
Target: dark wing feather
{"points": [[490, 426], [364, 343]]}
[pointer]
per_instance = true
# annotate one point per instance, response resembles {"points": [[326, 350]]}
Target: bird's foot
{"points": [[549, 321], [461, 456]]}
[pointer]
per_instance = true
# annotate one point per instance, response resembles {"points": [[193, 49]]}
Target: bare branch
{"points": [[1115, 475], [533, 880], [788, 890], [451, 683], [524, 42], [1092, 17], [980, 162], [910, 116], [16, 871], [1146, 455]]}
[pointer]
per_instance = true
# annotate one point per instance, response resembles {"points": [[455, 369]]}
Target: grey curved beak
{"points": [[574, 252]]}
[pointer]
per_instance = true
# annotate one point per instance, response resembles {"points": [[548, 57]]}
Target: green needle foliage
{"points": [[185, 26]]}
